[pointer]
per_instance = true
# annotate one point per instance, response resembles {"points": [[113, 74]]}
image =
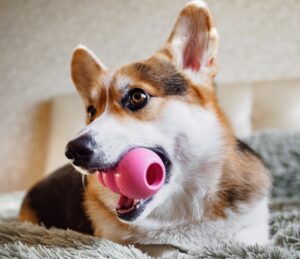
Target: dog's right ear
{"points": [[193, 43], [86, 71]]}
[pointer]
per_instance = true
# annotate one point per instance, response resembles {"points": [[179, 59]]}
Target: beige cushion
{"points": [[67, 118], [236, 101], [276, 105]]}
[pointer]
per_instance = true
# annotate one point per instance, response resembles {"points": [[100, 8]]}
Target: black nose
{"points": [[81, 149]]}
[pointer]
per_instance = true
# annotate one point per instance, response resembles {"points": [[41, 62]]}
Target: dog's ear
{"points": [[193, 43], [86, 70]]}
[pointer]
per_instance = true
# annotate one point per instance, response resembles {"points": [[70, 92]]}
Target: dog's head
{"points": [[166, 103]]}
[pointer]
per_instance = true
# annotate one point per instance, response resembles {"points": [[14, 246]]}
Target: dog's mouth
{"points": [[128, 209], [126, 205]]}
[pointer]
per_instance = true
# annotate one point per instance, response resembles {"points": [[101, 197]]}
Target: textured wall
{"points": [[259, 40]]}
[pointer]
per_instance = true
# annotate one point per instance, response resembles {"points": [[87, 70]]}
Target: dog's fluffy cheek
{"points": [[190, 132], [191, 136]]}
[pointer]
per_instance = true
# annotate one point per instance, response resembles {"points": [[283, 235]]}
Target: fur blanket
{"points": [[281, 151]]}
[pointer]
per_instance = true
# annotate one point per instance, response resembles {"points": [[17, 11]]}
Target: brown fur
{"points": [[27, 214]]}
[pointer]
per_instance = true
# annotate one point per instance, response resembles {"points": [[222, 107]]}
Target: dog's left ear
{"points": [[193, 43]]}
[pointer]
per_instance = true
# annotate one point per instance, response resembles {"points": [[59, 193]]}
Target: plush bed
{"points": [[280, 150]]}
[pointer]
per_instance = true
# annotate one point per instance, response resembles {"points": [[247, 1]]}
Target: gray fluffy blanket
{"points": [[281, 151]]}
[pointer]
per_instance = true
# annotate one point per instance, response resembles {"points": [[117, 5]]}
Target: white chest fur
{"points": [[249, 226]]}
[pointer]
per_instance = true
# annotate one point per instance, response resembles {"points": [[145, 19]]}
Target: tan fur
{"points": [[86, 71], [27, 214], [104, 221]]}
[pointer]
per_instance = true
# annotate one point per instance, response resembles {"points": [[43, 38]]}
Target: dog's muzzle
{"points": [[85, 153]]}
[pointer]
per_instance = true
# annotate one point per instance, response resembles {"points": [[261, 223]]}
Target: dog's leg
{"points": [[27, 213], [254, 225]]}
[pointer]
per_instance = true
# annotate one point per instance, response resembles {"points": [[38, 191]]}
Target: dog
{"points": [[216, 187]]}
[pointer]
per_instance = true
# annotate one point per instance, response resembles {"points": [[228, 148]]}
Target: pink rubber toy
{"points": [[139, 174]]}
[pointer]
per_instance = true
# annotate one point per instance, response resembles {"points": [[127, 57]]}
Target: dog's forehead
{"points": [[159, 74], [116, 79]]}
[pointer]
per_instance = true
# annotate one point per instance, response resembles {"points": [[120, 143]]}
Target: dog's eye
{"points": [[91, 110], [136, 99]]}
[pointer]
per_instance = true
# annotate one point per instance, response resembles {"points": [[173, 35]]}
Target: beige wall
{"points": [[259, 41]]}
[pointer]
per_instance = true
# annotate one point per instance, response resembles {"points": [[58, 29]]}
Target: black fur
{"points": [[244, 148], [58, 201]]}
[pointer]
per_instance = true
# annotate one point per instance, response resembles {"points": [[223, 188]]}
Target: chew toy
{"points": [[139, 174]]}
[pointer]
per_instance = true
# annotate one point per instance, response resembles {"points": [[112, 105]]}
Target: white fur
{"points": [[94, 95], [254, 227], [80, 170], [198, 3], [122, 82], [249, 227]]}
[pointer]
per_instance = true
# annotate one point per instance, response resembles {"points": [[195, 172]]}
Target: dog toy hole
{"points": [[154, 175]]}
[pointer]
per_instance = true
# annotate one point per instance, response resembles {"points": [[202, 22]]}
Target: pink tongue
{"points": [[124, 202]]}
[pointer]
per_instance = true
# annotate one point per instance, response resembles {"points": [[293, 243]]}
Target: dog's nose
{"points": [[81, 149]]}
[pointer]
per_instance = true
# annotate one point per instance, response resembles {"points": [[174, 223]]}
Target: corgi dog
{"points": [[216, 188]]}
